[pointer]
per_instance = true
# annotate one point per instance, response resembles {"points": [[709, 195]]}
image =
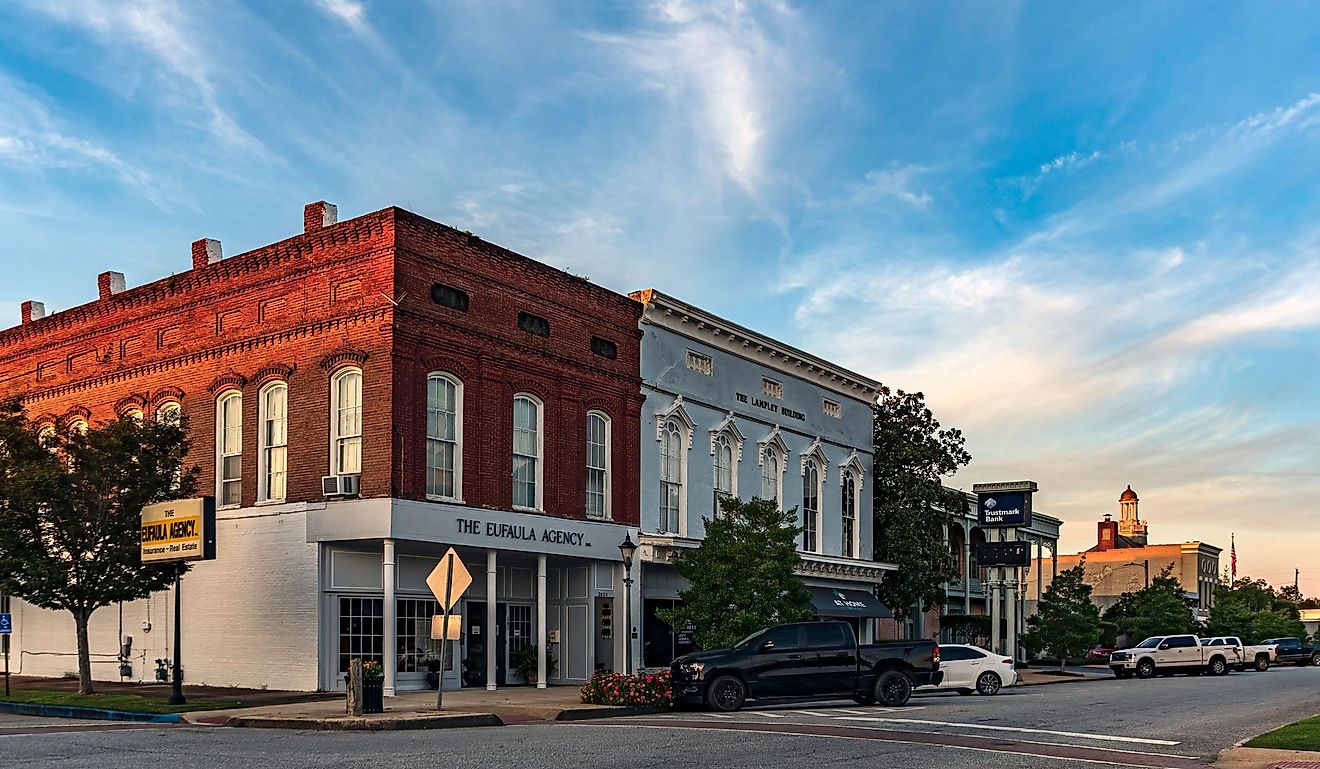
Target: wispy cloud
{"points": [[894, 182], [348, 11]]}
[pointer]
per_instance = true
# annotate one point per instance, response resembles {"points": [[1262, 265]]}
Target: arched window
{"points": [[169, 413], [346, 423], [79, 426], [272, 454], [671, 477], [598, 465], [134, 413], [229, 449], [444, 437], [725, 478], [810, 506], [770, 474], [527, 448], [849, 497], [46, 437]]}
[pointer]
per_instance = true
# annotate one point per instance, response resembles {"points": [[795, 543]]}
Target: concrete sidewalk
{"points": [[1261, 758], [1038, 677], [416, 710]]}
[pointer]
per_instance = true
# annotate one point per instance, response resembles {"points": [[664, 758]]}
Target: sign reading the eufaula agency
{"points": [[182, 530]]}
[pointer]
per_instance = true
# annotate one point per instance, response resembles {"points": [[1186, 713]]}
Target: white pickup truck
{"points": [[1259, 657], [1171, 654]]}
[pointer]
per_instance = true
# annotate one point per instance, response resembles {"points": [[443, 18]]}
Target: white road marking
{"points": [[1023, 729], [763, 713], [850, 712], [871, 739]]}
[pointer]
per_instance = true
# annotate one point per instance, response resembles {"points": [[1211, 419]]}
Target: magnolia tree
{"points": [[1067, 622], [70, 513]]}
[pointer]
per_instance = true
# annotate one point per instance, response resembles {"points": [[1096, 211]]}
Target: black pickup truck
{"points": [[1293, 650], [805, 660]]}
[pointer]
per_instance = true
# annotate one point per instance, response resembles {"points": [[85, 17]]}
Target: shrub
{"points": [[606, 688]]}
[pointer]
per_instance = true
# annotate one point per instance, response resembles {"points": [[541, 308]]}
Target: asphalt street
{"points": [[1165, 722]]}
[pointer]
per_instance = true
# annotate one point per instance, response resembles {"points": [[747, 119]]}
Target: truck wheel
{"points": [[988, 683], [1218, 667], [893, 688], [1146, 669], [1315, 659], [726, 694], [1262, 663]]}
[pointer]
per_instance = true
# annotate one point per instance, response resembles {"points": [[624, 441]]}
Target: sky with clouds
{"points": [[1089, 233]]}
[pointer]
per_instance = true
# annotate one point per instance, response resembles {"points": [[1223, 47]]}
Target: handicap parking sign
{"points": [[6, 623]]}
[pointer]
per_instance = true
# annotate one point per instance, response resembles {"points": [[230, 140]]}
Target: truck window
{"points": [[1150, 643], [1181, 641], [785, 638], [1216, 642], [825, 635]]}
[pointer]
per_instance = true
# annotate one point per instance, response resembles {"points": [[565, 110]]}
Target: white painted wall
{"points": [[250, 617]]}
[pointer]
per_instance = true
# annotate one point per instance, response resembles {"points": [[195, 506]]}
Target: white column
{"points": [[492, 640], [540, 622], [391, 642], [966, 556]]}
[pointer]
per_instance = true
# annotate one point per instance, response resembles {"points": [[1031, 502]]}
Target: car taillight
{"points": [[1007, 661], [935, 656]]}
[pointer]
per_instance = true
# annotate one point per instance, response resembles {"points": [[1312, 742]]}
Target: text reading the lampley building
{"points": [[773, 408]]}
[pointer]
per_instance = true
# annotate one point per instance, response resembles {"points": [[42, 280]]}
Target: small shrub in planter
{"points": [[606, 688]]}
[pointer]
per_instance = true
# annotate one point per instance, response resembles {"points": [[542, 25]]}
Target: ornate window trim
{"points": [[676, 411]]}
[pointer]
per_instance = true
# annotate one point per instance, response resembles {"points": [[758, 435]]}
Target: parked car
{"points": [[1293, 650], [1100, 654], [805, 660], [1258, 657], [1170, 654], [967, 669]]}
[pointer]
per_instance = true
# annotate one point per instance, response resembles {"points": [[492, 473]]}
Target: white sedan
{"points": [[971, 668]]}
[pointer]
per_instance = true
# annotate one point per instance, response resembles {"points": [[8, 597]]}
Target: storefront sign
{"points": [[773, 408], [523, 532], [182, 530], [1011, 508], [1012, 553]]}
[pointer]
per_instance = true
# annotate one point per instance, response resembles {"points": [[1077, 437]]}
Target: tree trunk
{"points": [[80, 620]]}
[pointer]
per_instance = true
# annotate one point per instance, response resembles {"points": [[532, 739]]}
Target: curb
{"points": [[584, 714], [91, 714], [367, 724]]}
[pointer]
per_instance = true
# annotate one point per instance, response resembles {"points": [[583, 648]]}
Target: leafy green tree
{"points": [[913, 457], [70, 513], [1067, 622], [741, 578], [1253, 611], [1159, 609]]}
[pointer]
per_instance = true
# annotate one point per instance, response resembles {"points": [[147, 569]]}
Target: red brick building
{"points": [[361, 397]]}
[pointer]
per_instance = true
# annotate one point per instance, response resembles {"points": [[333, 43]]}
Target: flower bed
{"points": [[619, 689]]}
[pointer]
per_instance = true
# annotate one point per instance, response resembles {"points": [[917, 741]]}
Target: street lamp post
{"points": [[627, 549], [1145, 567]]}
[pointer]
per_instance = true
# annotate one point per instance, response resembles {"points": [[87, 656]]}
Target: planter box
{"points": [[373, 694]]}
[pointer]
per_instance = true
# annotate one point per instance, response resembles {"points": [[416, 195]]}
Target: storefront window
{"points": [[361, 630], [660, 644], [413, 627]]}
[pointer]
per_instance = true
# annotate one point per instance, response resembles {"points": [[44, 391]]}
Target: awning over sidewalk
{"points": [[829, 602]]}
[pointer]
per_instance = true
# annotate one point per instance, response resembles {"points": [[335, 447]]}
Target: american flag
{"points": [[1232, 554]]}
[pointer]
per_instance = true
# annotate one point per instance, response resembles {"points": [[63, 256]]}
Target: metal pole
{"points": [[176, 687], [444, 635], [627, 620], [4, 607], [1146, 567]]}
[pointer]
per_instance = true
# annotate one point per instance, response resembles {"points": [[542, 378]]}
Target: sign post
{"points": [[6, 629], [174, 533], [1004, 507], [448, 581]]}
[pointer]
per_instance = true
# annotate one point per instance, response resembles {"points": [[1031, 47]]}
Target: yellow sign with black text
{"points": [[182, 530]]}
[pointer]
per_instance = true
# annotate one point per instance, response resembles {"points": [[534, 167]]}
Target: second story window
{"points": [[810, 506], [229, 450], [527, 444], [346, 423], [770, 474], [444, 437], [598, 467], [273, 451], [850, 515], [724, 471], [671, 477], [533, 324]]}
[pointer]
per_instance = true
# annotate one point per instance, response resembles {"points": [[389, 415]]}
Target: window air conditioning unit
{"points": [[340, 485]]}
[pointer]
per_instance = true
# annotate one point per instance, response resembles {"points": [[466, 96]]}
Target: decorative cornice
{"points": [[228, 381], [75, 413], [695, 323]]}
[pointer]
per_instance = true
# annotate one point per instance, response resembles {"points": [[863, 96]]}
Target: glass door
{"points": [[518, 635]]}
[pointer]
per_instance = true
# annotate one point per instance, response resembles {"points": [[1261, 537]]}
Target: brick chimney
{"points": [[205, 251], [110, 283], [33, 310], [319, 214], [1106, 536]]}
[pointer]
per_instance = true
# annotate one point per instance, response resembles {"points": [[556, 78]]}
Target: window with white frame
{"points": [[598, 465], [527, 447], [346, 423], [811, 506], [79, 426], [671, 477], [229, 449], [849, 496], [134, 413], [169, 413], [273, 453], [444, 437], [725, 477], [770, 474]]}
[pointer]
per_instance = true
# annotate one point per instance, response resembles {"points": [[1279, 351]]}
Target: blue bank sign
{"points": [[1004, 508]]}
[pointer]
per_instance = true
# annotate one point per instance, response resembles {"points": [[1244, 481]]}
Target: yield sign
{"points": [[458, 581]]}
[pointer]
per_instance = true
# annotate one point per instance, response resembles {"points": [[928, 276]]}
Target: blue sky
{"points": [[1089, 233]]}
